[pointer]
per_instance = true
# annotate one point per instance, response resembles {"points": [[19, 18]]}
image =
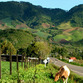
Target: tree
{"points": [[63, 52], [82, 55], [42, 49], [39, 49], [7, 46]]}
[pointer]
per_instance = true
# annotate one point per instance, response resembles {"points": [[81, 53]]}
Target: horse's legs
{"points": [[66, 80]]}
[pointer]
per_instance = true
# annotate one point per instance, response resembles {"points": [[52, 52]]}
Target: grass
{"points": [[77, 35], [74, 63], [73, 36], [65, 26], [37, 74], [62, 36], [40, 33]]}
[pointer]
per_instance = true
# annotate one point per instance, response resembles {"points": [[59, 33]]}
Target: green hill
{"points": [[51, 24], [19, 38], [76, 16], [33, 16]]}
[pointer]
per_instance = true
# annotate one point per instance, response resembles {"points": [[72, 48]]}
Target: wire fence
{"points": [[26, 62]]}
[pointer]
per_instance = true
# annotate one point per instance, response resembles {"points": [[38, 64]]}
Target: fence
{"points": [[18, 58]]}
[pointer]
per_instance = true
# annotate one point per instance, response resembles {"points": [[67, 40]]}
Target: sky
{"points": [[63, 4]]}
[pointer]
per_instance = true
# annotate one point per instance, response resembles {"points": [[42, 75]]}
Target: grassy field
{"points": [[74, 36], [36, 74], [40, 33]]}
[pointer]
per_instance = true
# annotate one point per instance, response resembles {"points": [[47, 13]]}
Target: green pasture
{"points": [[36, 74], [64, 26], [42, 34], [72, 36]]}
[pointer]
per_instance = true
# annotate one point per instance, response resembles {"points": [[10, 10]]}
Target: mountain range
{"points": [[55, 25]]}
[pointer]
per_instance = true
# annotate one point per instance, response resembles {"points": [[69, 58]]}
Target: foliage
{"points": [[53, 25], [72, 36], [42, 34], [79, 43], [77, 16], [34, 16], [19, 38], [77, 53], [37, 74], [6, 47], [60, 51], [39, 49]]}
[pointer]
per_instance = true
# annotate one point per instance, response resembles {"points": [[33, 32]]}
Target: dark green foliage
{"points": [[80, 42], [38, 49], [8, 48], [77, 53], [76, 15], [32, 15], [44, 22], [19, 38], [10, 9], [60, 51]]}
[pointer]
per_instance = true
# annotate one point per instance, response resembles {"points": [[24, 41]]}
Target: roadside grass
{"points": [[76, 77], [36, 74], [73, 63]]}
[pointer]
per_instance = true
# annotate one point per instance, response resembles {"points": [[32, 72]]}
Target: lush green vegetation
{"points": [[35, 16], [36, 74], [19, 38], [7, 47], [32, 15], [42, 34], [28, 28], [76, 15], [54, 25], [5, 69], [71, 36], [67, 53], [39, 49]]}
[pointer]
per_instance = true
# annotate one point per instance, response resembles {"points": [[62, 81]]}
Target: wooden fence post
{"points": [[29, 62], [35, 62], [0, 62], [17, 60], [22, 58], [25, 64], [10, 62]]}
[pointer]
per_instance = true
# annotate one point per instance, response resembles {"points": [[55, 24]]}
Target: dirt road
{"points": [[76, 69]]}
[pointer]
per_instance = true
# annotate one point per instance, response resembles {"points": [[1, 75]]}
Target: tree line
{"points": [[41, 50]]}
